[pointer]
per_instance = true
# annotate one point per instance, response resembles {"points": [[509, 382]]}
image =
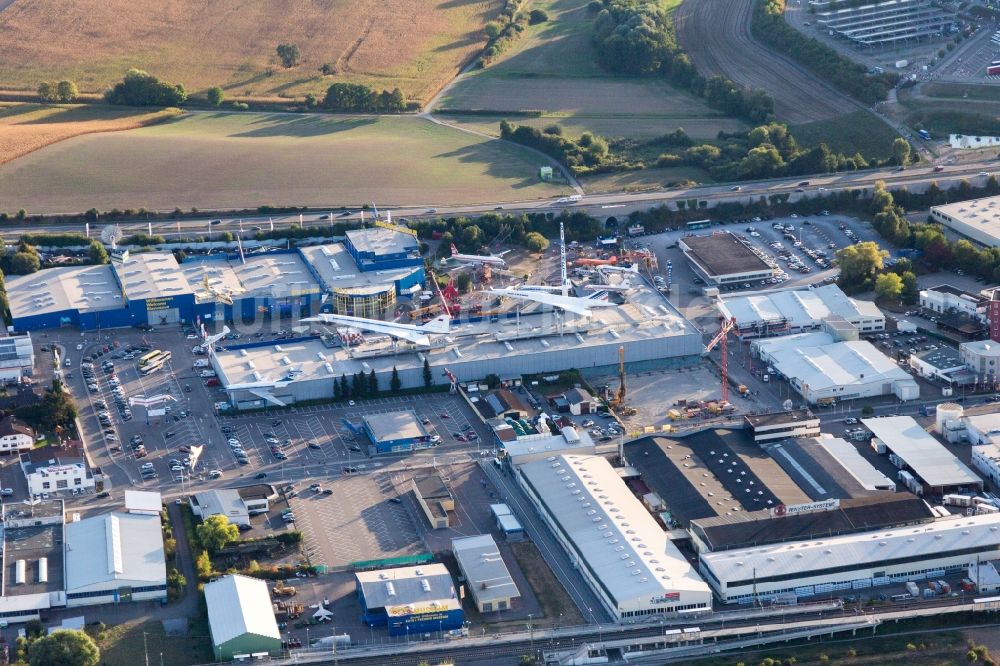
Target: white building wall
{"points": [[810, 585], [986, 461], [984, 360], [58, 478], [941, 302], [18, 442]]}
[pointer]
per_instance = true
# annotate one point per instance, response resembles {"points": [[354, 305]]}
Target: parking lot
{"points": [[357, 522]]}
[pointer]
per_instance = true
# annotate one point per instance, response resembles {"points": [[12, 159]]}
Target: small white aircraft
{"points": [[415, 333], [479, 259]]}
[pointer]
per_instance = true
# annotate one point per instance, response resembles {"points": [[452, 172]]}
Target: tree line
{"points": [[588, 154], [356, 97], [637, 38], [769, 26]]}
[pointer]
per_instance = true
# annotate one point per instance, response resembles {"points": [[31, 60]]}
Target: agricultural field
{"points": [[716, 36], [552, 71], [857, 132], [25, 128], [644, 180], [415, 45], [232, 160]]}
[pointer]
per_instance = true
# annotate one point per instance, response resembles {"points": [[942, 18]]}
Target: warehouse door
{"points": [[161, 317]]}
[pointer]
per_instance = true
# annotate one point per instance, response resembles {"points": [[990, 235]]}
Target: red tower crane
{"points": [[723, 337]]}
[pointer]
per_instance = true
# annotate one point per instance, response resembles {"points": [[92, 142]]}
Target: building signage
{"points": [[157, 304], [402, 611], [665, 598], [809, 507], [395, 227]]}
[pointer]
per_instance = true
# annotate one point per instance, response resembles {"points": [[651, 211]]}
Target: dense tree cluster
{"points": [[22, 261], [360, 98], [585, 155], [55, 409], [636, 38], [769, 26], [141, 89]]}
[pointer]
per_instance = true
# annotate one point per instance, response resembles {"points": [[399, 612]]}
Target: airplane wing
{"points": [[417, 334]]}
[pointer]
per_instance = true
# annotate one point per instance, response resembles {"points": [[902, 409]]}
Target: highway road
{"points": [[600, 205]]}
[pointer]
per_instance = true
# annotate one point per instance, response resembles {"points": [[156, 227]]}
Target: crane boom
{"points": [[723, 337]]}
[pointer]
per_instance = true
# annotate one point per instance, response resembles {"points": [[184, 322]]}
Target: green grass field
{"points": [[552, 69], [851, 133], [643, 180], [123, 645], [221, 160]]}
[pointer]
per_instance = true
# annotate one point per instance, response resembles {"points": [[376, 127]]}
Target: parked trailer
{"points": [[957, 500], [912, 588]]}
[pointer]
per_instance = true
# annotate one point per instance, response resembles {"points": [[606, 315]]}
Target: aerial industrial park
{"points": [[556, 333]]}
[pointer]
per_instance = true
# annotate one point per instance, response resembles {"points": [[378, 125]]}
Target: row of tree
{"points": [[769, 26], [637, 38], [356, 97], [63, 91], [766, 151], [504, 30]]}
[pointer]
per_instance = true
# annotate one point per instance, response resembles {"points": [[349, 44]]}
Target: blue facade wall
{"points": [[413, 624], [417, 277], [370, 261]]}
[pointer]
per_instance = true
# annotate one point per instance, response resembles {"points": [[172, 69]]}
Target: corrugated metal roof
{"points": [[613, 531], [819, 362], [927, 457], [114, 547], [804, 557], [239, 605], [801, 307]]}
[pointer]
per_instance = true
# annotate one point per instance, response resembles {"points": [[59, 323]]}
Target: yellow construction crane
{"points": [[622, 390]]}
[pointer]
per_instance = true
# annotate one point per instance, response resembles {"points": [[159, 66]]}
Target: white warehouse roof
{"points": [[806, 557], [484, 568], [239, 605], [800, 307], [927, 457], [819, 362], [617, 537], [113, 548]]}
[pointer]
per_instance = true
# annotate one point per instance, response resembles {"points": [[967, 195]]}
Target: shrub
{"points": [[141, 89], [537, 16]]}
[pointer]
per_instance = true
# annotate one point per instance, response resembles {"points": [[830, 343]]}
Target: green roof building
{"points": [[241, 618]]}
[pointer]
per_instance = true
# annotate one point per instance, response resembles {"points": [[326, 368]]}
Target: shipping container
{"points": [[912, 588]]}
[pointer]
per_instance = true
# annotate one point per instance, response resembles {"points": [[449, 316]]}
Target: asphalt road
{"points": [[600, 205]]}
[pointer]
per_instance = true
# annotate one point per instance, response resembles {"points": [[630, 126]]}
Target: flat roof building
{"points": [[749, 529], [623, 554], [435, 499], [83, 296], [115, 557], [782, 425], [943, 363], [650, 329], [798, 310], [241, 618], [395, 431], [722, 258], [977, 219], [934, 465], [486, 576], [385, 246], [889, 23], [824, 371], [542, 445], [143, 502], [822, 565], [409, 600]]}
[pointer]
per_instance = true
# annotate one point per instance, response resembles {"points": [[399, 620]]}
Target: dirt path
{"points": [[716, 35]]}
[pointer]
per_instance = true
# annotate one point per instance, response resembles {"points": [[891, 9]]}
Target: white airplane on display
{"points": [[580, 306], [416, 333], [479, 259]]}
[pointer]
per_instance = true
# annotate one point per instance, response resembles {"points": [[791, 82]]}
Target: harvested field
{"points": [[552, 70], [25, 128], [716, 36], [413, 44], [226, 160]]}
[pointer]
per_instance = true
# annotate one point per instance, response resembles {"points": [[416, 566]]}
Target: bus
{"points": [[699, 224], [156, 363], [146, 359]]}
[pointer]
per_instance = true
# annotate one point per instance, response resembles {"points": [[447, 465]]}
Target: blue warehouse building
{"points": [[152, 288], [134, 289], [366, 275], [410, 601], [395, 431]]}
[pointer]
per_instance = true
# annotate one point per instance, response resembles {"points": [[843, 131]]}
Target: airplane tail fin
{"points": [[454, 250], [440, 324]]}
